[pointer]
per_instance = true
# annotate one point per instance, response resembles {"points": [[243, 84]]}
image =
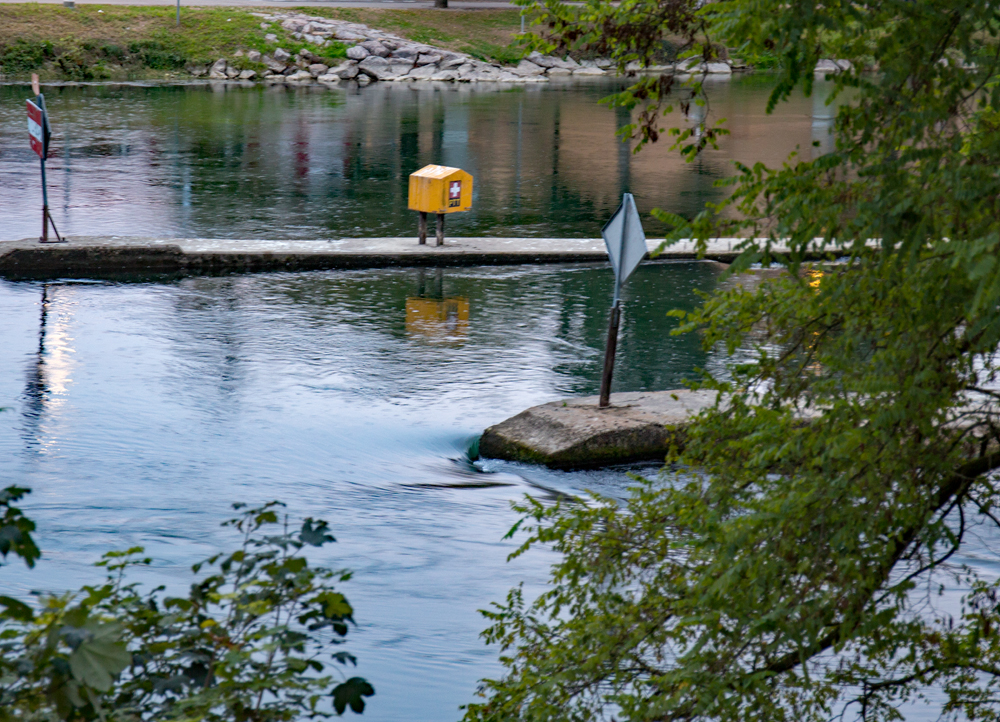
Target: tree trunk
{"points": [[440, 3]]}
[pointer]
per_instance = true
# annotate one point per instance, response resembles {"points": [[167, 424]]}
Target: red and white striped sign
{"points": [[36, 129]]}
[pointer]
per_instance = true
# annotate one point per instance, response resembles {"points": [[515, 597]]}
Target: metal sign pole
{"points": [[609, 356], [45, 207], [40, 133], [46, 216], [626, 245], [615, 317]]}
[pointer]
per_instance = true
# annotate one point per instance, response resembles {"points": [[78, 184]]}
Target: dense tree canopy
{"points": [[787, 564]]}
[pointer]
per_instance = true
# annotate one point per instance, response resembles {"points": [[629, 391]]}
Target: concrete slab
{"points": [[104, 256], [575, 433]]}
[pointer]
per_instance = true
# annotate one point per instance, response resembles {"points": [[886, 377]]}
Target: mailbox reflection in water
{"points": [[437, 319]]}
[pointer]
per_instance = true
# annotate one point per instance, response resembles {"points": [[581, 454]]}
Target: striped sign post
{"points": [[39, 134]]}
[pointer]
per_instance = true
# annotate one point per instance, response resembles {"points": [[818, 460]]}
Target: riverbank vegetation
{"points": [[256, 638], [811, 569], [116, 42]]}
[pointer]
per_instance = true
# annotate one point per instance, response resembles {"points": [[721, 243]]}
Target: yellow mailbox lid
{"points": [[440, 189]]}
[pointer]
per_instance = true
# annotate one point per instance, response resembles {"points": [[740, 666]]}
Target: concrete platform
{"points": [[575, 433], [109, 256]]}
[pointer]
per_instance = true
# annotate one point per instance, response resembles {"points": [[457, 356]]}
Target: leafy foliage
{"points": [[23, 56], [251, 641], [789, 561], [16, 528]]}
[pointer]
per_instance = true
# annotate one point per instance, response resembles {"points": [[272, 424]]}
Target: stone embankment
{"points": [[374, 55]]}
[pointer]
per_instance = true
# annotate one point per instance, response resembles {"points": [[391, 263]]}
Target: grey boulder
{"points": [[544, 61], [358, 52], [526, 68], [377, 68], [404, 53], [346, 70], [348, 36], [376, 48], [282, 55], [421, 72], [273, 65], [452, 60]]}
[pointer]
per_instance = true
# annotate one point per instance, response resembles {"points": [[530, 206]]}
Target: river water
{"points": [[276, 162], [139, 411]]}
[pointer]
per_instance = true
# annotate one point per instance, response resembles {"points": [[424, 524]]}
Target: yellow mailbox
{"points": [[439, 189]]}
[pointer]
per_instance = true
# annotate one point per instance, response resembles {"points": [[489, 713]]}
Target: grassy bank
{"points": [[113, 42]]}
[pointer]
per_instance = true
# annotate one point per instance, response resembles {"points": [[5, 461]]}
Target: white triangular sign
{"points": [[625, 240]]}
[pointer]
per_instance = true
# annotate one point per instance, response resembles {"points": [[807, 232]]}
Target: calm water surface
{"points": [[277, 162]]}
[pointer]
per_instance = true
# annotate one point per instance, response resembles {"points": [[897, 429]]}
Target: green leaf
{"points": [[350, 693], [101, 658], [315, 533], [14, 609]]}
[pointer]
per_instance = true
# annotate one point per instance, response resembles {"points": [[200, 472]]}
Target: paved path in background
{"points": [[100, 256], [394, 4]]}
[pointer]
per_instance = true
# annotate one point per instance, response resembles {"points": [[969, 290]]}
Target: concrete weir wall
{"points": [[99, 257], [109, 256], [575, 433]]}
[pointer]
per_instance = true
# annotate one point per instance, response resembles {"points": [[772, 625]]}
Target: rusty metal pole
{"points": [[609, 355], [440, 229], [45, 208], [422, 228]]}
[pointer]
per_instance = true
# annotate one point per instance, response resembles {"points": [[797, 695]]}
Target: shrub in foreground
{"points": [[257, 638]]}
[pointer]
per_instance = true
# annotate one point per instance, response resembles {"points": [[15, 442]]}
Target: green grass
{"points": [[96, 42]]}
